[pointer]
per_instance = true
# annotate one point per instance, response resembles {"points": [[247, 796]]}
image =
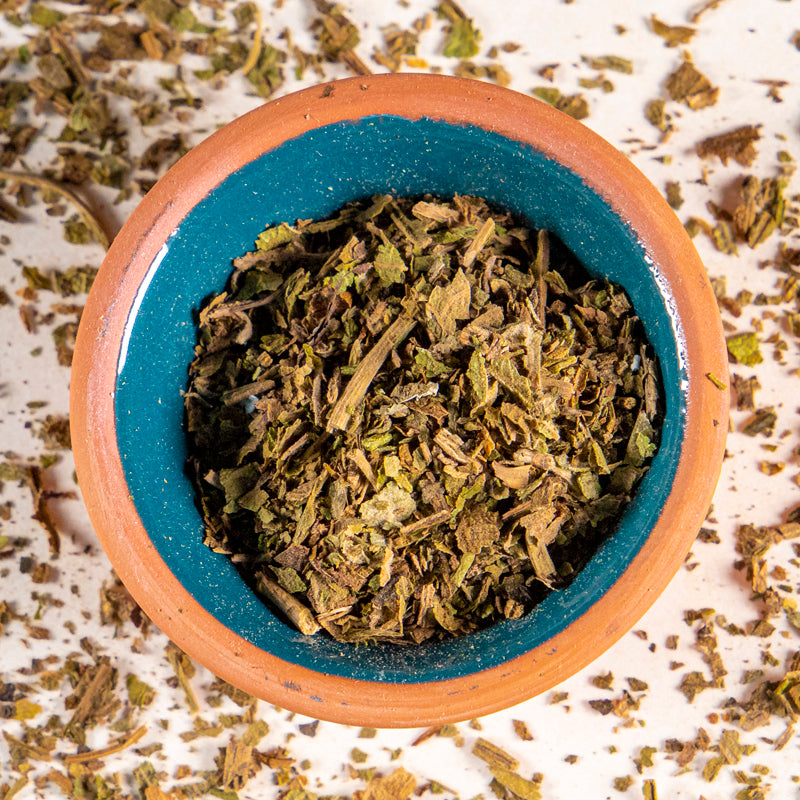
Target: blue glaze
{"points": [[310, 177]]}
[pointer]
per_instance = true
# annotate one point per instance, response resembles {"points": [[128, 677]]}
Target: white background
{"points": [[737, 44]]}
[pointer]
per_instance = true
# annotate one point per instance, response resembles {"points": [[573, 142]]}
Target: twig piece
{"points": [[94, 224], [255, 48], [299, 614], [709, 5], [482, 237], [540, 267]]}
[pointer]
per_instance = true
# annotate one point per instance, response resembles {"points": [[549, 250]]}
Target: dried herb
{"points": [[399, 785], [117, 747], [337, 37], [407, 423], [574, 104], [93, 698], [673, 35], [762, 421], [738, 144], [493, 755], [398, 46], [522, 730], [616, 63], [656, 114], [94, 228], [463, 38], [674, 197], [708, 5], [514, 783], [492, 72], [32, 476], [688, 85], [603, 681], [743, 348]]}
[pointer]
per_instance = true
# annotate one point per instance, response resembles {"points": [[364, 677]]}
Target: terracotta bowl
{"points": [[303, 156]]}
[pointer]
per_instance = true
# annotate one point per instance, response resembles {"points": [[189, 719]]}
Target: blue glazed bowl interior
{"points": [[311, 177]]}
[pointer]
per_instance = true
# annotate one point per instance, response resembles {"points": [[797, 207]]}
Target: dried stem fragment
{"points": [[299, 614]]}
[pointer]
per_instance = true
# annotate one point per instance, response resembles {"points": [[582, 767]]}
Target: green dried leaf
{"points": [[673, 35], [744, 348], [43, 16], [450, 303], [389, 265]]}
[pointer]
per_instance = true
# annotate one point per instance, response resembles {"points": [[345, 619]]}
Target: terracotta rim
{"points": [[99, 467]]}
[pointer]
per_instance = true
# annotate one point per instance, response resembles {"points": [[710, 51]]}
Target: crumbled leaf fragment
{"points": [[362, 462], [761, 422], [744, 348], [139, 693], [616, 63], [522, 730], [514, 782], [398, 785], [674, 197], [575, 105]]}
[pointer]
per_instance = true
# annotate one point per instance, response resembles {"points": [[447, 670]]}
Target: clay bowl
{"points": [[303, 156]]}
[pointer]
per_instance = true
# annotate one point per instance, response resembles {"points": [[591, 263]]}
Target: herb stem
{"points": [[174, 658], [298, 614], [367, 370], [92, 222], [98, 683], [110, 750], [709, 5]]}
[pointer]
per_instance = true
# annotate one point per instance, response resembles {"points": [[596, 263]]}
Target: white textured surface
{"points": [[737, 44]]}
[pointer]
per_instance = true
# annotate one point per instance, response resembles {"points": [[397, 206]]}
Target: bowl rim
{"points": [[99, 466]]}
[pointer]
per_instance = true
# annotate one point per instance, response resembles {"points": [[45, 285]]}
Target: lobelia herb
{"points": [[673, 35], [573, 104], [406, 424], [738, 144], [688, 85]]}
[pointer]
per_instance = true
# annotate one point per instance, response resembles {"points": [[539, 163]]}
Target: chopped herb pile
{"points": [[415, 418]]}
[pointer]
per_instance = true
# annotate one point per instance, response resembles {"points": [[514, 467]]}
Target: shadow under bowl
{"points": [[304, 156]]}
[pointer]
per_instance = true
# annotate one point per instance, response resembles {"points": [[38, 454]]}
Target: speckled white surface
{"points": [[737, 44]]}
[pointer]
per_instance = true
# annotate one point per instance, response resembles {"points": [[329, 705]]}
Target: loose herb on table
{"points": [[415, 418]]}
